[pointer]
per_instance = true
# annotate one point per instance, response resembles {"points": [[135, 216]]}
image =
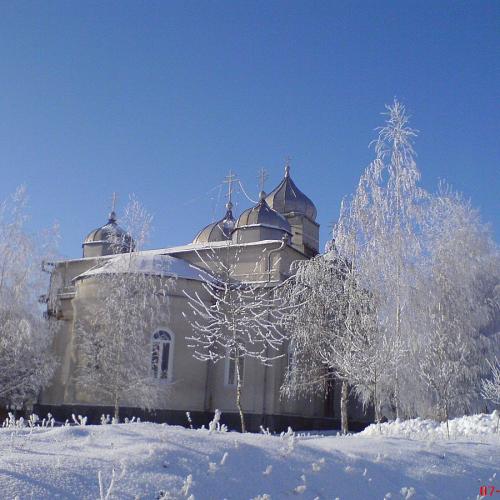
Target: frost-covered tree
{"points": [[239, 321], [316, 322], [113, 334], [25, 336], [378, 233], [430, 268], [457, 274]]}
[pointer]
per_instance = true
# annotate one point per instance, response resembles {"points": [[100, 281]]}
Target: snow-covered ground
{"points": [[409, 460]]}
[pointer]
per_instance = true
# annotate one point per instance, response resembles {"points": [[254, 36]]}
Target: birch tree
{"points": [[239, 321], [430, 268], [378, 232], [25, 336], [459, 270], [114, 330]]}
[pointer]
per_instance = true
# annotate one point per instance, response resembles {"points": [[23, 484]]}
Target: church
{"points": [[278, 230]]}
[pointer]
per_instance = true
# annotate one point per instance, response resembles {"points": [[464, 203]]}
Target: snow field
{"points": [[160, 461]]}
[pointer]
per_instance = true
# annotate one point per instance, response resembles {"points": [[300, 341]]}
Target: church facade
{"points": [[268, 237]]}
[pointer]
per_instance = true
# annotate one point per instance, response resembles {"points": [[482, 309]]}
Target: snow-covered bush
{"points": [[80, 421], [490, 387], [215, 425]]}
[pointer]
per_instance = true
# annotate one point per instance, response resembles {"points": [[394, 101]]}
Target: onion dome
{"points": [[107, 240], [288, 198], [218, 231], [262, 217]]}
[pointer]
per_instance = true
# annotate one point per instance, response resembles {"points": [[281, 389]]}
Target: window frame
{"points": [[170, 364]]}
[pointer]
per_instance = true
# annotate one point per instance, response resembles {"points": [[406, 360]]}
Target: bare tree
{"points": [[240, 319], [25, 336]]}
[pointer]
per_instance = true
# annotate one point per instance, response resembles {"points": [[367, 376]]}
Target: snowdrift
{"points": [[417, 428]]}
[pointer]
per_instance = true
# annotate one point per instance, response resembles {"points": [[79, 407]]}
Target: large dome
{"points": [[263, 215], [288, 198], [217, 231], [108, 239]]}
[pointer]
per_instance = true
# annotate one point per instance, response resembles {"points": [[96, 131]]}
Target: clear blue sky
{"points": [[162, 98]]}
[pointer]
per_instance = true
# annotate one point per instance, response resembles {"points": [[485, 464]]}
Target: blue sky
{"points": [[162, 98]]}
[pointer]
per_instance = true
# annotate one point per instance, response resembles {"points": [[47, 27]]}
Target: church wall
{"points": [[196, 386], [305, 233]]}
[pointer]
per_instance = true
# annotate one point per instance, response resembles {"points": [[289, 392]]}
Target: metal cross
{"points": [[262, 178], [113, 202], [287, 165], [229, 180]]}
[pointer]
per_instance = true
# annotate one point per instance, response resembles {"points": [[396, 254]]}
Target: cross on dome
{"points": [[287, 166], [112, 214], [230, 179], [262, 178]]}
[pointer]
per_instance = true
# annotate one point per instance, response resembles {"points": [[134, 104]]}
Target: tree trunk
{"points": [[398, 340], [447, 418], [238, 393], [344, 393], [376, 407], [117, 409]]}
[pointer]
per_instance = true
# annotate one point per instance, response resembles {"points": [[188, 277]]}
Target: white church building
{"points": [[269, 236]]}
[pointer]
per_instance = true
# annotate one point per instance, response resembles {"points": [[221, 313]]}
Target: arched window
{"points": [[161, 364]]}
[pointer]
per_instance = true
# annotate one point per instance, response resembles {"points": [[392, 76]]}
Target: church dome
{"points": [[262, 215], [107, 240], [288, 198], [218, 231]]}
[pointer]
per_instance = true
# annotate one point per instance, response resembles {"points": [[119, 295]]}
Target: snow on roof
{"points": [[216, 244], [190, 247], [153, 263]]}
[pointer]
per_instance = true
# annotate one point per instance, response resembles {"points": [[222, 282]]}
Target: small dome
{"points": [[108, 239], [287, 198], [218, 231], [263, 215]]}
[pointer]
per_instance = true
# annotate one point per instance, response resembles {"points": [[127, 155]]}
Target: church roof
{"points": [[262, 214], [151, 263], [287, 198], [217, 231]]}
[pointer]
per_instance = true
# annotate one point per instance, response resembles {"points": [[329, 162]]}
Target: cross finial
{"points": [[287, 166], [262, 178], [229, 180], [112, 215]]}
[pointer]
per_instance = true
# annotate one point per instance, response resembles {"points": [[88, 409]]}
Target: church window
{"points": [[161, 363]]}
